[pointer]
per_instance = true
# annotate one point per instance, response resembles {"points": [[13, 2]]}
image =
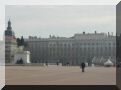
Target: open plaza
{"points": [[59, 75]]}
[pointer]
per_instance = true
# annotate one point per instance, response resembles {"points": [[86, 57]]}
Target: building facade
{"points": [[82, 47], [73, 50], [10, 44]]}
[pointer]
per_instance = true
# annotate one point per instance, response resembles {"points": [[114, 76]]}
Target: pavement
{"points": [[59, 75]]}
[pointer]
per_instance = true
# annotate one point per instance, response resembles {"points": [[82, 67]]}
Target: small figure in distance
{"points": [[82, 66], [46, 63], [67, 64], [57, 63]]}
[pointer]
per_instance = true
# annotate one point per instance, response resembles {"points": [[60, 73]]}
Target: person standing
{"points": [[46, 63], [57, 63], [83, 66]]}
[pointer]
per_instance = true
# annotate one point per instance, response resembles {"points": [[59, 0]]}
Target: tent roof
{"points": [[108, 62]]}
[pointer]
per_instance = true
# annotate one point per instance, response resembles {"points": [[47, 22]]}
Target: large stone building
{"points": [[10, 44], [73, 50], [84, 47]]}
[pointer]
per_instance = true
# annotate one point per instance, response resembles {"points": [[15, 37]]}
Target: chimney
{"points": [[108, 34], [49, 36], [83, 32]]}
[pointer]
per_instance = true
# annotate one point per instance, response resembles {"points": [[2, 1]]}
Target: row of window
{"points": [[73, 48], [85, 44], [62, 51], [73, 44], [94, 47], [73, 54]]}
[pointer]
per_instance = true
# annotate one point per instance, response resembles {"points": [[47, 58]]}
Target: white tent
{"points": [[108, 63], [93, 60], [102, 59]]}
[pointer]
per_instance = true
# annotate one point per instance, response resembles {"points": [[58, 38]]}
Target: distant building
{"points": [[74, 50], [10, 44]]}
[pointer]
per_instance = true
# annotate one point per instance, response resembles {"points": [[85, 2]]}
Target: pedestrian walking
{"points": [[82, 67]]}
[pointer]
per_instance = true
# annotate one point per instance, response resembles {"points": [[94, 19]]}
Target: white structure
{"points": [[24, 55], [94, 58], [86, 64], [108, 63]]}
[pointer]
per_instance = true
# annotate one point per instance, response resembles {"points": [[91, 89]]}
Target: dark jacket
{"points": [[83, 65]]}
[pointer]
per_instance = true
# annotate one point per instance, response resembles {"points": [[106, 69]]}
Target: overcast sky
{"points": [[61, 20]]}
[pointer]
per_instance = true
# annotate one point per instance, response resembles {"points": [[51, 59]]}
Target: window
{"points": [[109, 44], [92, 48], [54, 45], [92, 43], [80, 49], [105, 48], [84, 48], [85, 44], [109, 48], [88, 49], [61, 44], [68, 45]]}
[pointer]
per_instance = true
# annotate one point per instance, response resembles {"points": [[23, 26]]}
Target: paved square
{"points": [[59, 75]]}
